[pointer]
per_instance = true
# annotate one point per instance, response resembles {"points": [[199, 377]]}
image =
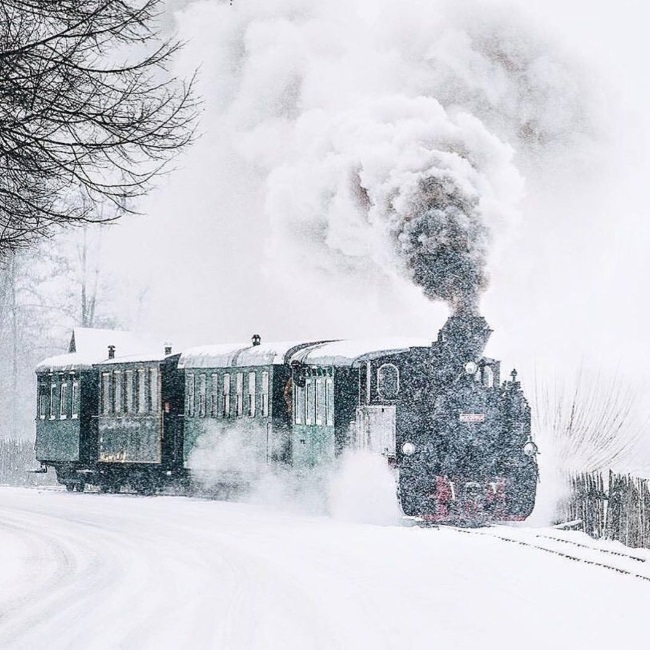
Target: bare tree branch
{"points": [[86, 105]]}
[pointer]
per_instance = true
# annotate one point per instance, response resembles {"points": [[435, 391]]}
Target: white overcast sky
{"points": [[569, 287]]}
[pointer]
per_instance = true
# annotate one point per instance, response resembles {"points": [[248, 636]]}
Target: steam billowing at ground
{"points": [[359, 486], [384, 138]]}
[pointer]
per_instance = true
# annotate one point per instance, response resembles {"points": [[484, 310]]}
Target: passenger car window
{"points": [[226, 395], [299, 408], [142, 391], [153, 390], [320, 400], [239, 405], [63, 405], [265, 394], [128, 404], [203, 393], [43, 394], [75, 399], [189, 406], [214, 395], [251, 394], [310, 395], [329, 393], [106, 393], [117, 382]]}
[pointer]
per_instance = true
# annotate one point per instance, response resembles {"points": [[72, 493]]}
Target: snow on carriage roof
{"points": [[340, 353], [348, 352], [143, 357], [226, 355], [89, 346]]}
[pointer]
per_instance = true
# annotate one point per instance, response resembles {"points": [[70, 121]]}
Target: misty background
{"points": [[236, 241]]}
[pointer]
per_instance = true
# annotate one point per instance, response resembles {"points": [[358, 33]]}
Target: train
{"points": [[115, 414]]}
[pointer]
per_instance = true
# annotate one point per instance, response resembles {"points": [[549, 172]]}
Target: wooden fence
{"points": [[613, 506]]}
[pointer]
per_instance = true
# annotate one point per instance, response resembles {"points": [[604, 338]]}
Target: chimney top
{"points": [[111, 352], [256, 339]]}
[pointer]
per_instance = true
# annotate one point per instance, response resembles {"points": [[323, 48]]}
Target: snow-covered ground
{"points": [[119, 571]]}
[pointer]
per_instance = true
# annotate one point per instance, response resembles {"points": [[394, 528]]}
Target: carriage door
{"points": [[376, 429]]}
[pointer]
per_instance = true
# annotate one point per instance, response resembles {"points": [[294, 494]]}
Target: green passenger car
{"points": [[68, 395], [237, 416]]}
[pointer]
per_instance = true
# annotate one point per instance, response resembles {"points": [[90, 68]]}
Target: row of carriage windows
{"points": [[314, 402], [247, 394], [227, 395], [127, 392], [214, 395], [58, 398]]}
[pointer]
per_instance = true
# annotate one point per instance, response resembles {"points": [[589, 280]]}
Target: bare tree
{"points": [[87, 106], [44, 293], [89, 285]]}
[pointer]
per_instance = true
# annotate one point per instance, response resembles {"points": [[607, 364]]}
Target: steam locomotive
{"points": [[457, 438]]}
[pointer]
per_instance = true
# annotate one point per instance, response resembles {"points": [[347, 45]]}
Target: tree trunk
{"points": [[14, 346]]}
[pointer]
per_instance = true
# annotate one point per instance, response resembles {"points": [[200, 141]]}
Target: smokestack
{"points": [[465, 334], [111, 352]]}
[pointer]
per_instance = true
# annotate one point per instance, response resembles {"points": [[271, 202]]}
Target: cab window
{"points": [[388, 381]]}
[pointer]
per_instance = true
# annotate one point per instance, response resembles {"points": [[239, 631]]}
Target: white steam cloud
{"points": [[233, 462], [364, 490], [384, 136]]}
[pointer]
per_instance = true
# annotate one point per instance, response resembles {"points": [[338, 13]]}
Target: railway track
{"points": [[600, 557], [606, 551]]}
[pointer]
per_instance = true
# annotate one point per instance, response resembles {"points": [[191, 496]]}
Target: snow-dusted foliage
{"points": [[588, 422]]}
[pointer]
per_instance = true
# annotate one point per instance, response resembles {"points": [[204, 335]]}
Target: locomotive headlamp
{"points": [[530, 449], [470, 367], [408, 448]]}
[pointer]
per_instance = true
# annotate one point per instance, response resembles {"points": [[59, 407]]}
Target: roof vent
{"points": [[168, 349], [111, 352], [256, 339]]}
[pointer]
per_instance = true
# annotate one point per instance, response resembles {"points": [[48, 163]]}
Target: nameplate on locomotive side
{"points": [[472, 417]]}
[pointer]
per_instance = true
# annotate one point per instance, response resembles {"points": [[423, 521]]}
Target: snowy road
{"points": [[108, 571]]}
